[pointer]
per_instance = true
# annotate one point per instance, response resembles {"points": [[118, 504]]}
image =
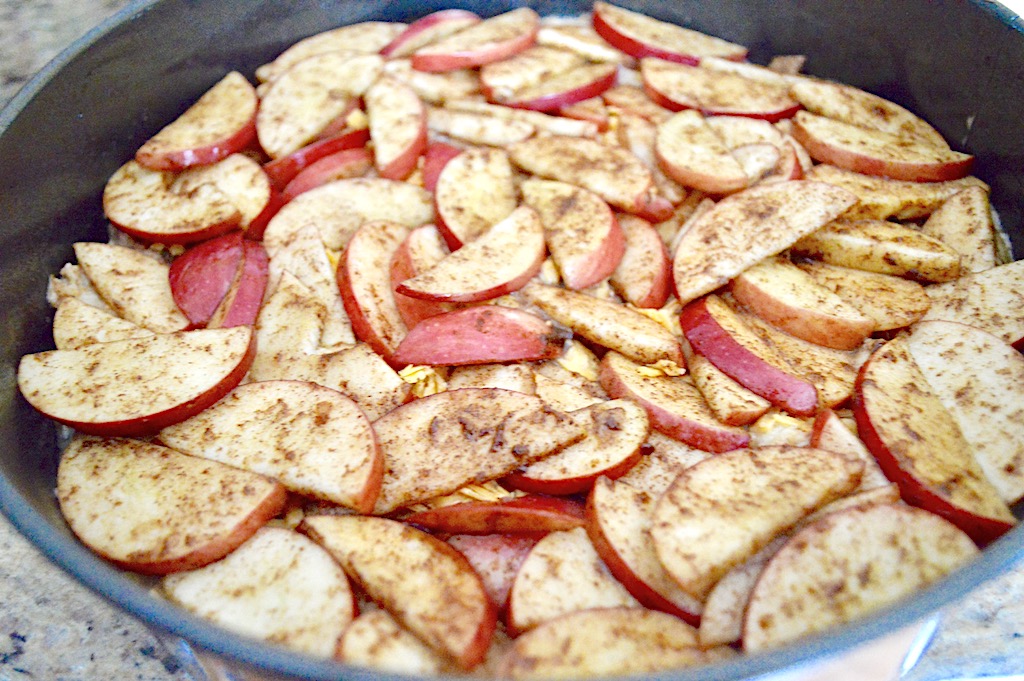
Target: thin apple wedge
{"points": [[243, 181], [220, 123], [724, 509], [502, 79], [562, 574], [421, 250], [478, 434], [479, 335], [583, 40], [473, 273], [964, 223], [474, 192], [138, 386], [283, 170], [439, 598], [674, 405], [976, 377], [152, 510], [873, 152], [730, 402], [278, 586], [632, 100], [398, 127], [693, 154], [531, 515], [887, 551], [313, 440], [201, 277], [640, 136], [375, 640], [920, 447], [241, 304], [435, 158], [890, 302], [748, 227], [565, 88], [989, 300], [831, 433], [429, 29], [608, 324], [496, 558], [367, 37], [290, 324], [541, 122], [639, 35], [435, 88], [490, 40], [644, 274], [721, 621], [518, 377], [341, 165], [477, 128], [77, 324]]}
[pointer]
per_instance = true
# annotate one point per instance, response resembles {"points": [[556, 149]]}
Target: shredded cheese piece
{"points": [[549, 273], [776, 428], [425, 380], [486, 491], [579, 360], [334, 257], [667, 316], [663, 367], [357, 120]]}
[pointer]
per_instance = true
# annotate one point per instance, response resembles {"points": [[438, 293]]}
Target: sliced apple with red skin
{"points": [[429, 29], [634, 101], [730, 402], [147, 205], [477, 434], [674, 406], [542, 122], [714, 331], [436, 88], [644, 274], [305, 99], [580, 229], [278, 586], [664, 458], [581, 39], [989, 300], [377, 641], [592, 110], [873, 152], [496, 558], [481, 129], [977, 376], [964, 222], [566, 88], [641, 36], [435, 158], [282, 170], [440, 598], [724, 509], [616, 429], [749, 226], [640, 136], [364, 280], [788, 298], [178, 512], [562, 574], [421, 250], [341, 165], [490, 40], [220, 123], [920, 447], [313, 440], [243, 182], [77, 324], [533, 515], [499, 81], [618, 524], [137, 386], [479, 335], [890, 302], [201, 277], [474, 192], [472, 273], [367, 37], [816, 582], [398, 127], [680, 86], [241, 304], [693, 154]]}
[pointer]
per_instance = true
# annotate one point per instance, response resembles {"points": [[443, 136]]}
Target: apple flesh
{"points": [[202, 276], [490, 40], [341, 165], [496, 558], [283, 170], [566, 88], [241, 304], [644, 274], [692, 153], [366, 37], [421, 250], [890, 302], [988, 300], [77, 324], [398, 127], [429, 29], [475, 191]]}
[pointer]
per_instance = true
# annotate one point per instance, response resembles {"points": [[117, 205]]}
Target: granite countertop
{"points": [[54, 629]]}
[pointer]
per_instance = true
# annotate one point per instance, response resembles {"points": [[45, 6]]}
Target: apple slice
{"points": [[619, 523], [831, 433], [477, 434], [580, 229], [241, 305], [220, 123], [964, 223], [289, 324], [435, 158], [398, 127], [478, 128], [606, 323], [341, 165], [976, 376], [542, 122], [721, 621], [201, 277], [920, 447], [77, 324], [632, 100], [439, 598], [359, 373], [592, 109], [615, 429], [583, 40], [479, 335], [312, 439], [692, 153], [785, 296], [421, 250], [748, 227], [471, 274], [989, 300], [890, 302], [243, 182], [530, 515], [490, 40], [716, 332], [565, 88], [877, 153], [644, 274], [278, 586], [436, 88], [312, 93], [429, 29], [367, 37], [730, 402], [724, 509], [496, 558], [135, 285], [518, 377], [680, 86], [640, 136], [148, 205], [136, 386], [562, 574], [884, 247], [474, 192], [375, 640], [149, 509], [283, 170], [674, 406], [501, 80], [815, 582], [641, 36]]}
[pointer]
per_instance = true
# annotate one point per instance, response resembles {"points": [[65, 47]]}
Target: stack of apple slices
{"points": [[538, 348]]}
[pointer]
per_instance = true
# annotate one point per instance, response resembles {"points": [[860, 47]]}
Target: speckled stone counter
{"points": [[53, 629]]}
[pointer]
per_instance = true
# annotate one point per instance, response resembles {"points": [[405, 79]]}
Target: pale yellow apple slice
{"points": [[501, 80], [583, 40], [478, 128], [150, 509], [77, 324], [517, 377], [436, 88], [542, 122], [474, 192], [632, 100], [989, 300], [890, 302], [644, 274], [831, 433], [278, 586], [639, 135], [438, 596], [664, 459], [731, 403], [493, 39], [964, 223], [367, 37], [692, 153], [376, 641], [398, 127], [639, 35]]}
